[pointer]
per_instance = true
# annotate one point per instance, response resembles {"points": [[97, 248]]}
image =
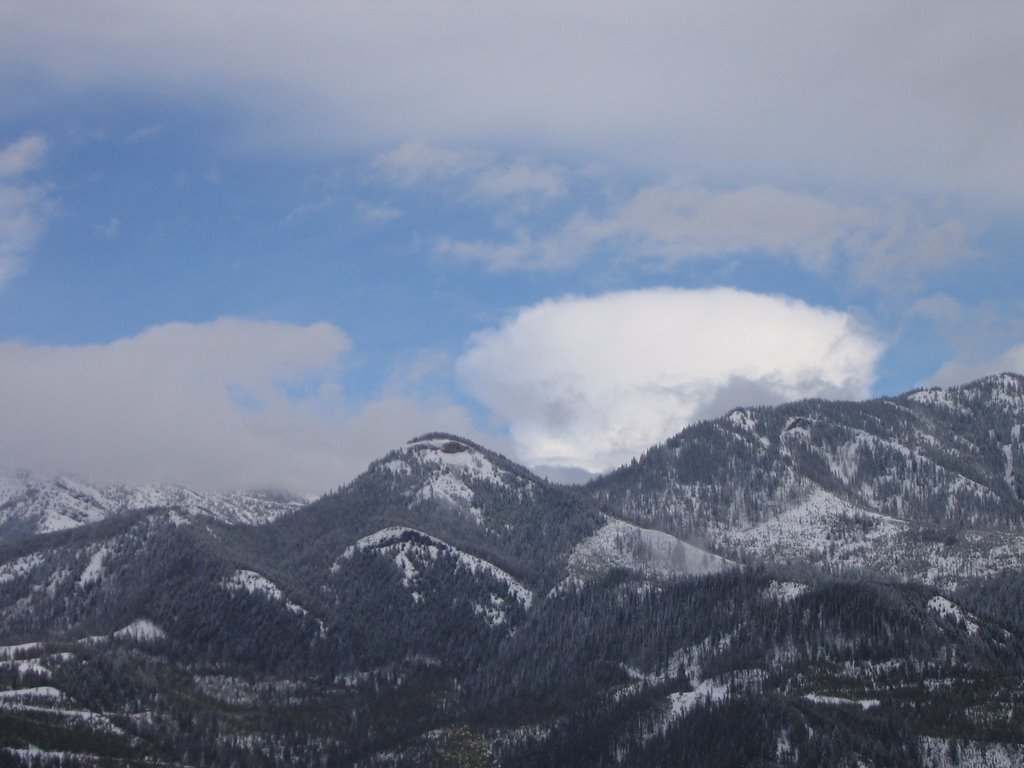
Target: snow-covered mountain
{"points": [[817, 583], [926, 486], [35, 503]]}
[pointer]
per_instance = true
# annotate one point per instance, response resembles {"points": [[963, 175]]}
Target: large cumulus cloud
{"points": [[591, 382]]}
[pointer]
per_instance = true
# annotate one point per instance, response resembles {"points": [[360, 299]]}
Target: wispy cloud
{"points": [[980, 338], [22, 156], [680, 221], [520, 178], [108, 229], [145, 132], [474, 176], [416, 162], [24, 205], [960, 371], [326, 202], [378, 214]]}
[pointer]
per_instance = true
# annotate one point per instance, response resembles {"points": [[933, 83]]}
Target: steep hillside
{"points": [[924, 486]]}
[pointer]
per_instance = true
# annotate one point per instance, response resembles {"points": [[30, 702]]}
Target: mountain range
{"points": [[32, 503], [816, 583]]}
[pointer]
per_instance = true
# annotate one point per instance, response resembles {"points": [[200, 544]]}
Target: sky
{"points": [[259, 244]]}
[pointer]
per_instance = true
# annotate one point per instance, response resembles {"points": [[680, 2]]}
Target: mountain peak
{"points": [[440, 441], [446, 441]]}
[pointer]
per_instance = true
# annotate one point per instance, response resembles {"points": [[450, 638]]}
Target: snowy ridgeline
{"points": [[824, 529], [413, 552], [39, 503]]}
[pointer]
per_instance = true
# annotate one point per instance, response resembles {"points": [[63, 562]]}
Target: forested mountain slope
{"points": [[925, 486], [861, 607]]}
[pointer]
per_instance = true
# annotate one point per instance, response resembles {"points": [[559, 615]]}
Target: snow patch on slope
{"points": [[618, 544], [950, 610], [839, 701], [25, 667], [253, 583], [407, 545], [18, 568], [745, 422], [446, 487], [140, 630], [12, 651], [939, 753], [94, 569], [449, 469], [808, 529], [709, 692], [823, 528], [936, 396], [785, 591], [44, 692]]}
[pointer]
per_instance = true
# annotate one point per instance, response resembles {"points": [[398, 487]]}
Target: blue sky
{"points": [[261, 244]]}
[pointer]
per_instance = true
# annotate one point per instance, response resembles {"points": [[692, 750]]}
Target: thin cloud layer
{"points": [[681, 221], [227, 404], [591, 382], [478, 174], [920, 97], [22, 156]]}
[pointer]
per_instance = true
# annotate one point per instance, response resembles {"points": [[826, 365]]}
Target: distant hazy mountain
{"points": [[817, 583], [33, 503]]}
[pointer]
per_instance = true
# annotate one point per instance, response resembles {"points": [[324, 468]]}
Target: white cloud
{"points": [[230, 403], [416, 162], [523, 252], [23, 204], [477, 175], [678, 221], [520, 178], [326, 202], [1011, 360], [938, 307], [591, 382], [22, 156], [919, 97], [982, 339], [145, 132], [961, 371], [378, 214], [108, 229]]}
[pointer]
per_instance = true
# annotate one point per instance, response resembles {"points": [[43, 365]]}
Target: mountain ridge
{"points": [[40, 502], [813, 583]]}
